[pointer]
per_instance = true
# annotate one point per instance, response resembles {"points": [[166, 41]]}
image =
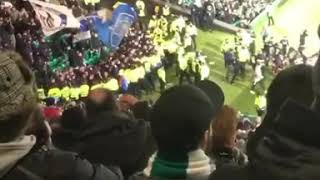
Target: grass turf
{"points": [[236, 94]]}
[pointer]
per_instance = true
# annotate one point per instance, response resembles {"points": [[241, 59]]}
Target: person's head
{"points": [[18, 96], [74, 115], [180, 119], [224, 129], [141, 110], [50, 101], [292, 83], [127, 101], [100, 100]]}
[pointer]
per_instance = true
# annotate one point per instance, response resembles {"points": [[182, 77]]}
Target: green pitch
{"points": [[291, 18]]}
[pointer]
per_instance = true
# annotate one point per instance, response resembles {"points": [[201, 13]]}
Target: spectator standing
{"points": [[224, 130], [20, 157], [303, 37], [208, 16], [192, 31], [269, 15], [141, 8], [277, 146], [105, 135], [189, 111], [196, 13]]}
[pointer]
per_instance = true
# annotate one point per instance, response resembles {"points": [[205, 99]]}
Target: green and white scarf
{"points": [[192, 165]]}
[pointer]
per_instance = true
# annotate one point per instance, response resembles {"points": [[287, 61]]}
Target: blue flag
{"points": [[111, 32]]}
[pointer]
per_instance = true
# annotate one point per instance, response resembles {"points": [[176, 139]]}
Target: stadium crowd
{"points": [[240, 13], [188, 133], [87, 131]]}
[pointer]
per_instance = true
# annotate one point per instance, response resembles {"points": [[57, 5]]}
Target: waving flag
{"points": [[111, 32], [53, 18], [122, 17]]}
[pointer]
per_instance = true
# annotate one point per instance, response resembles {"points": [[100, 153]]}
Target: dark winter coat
{"points": [[228, 156], [288, 151], [58, 165], [111, 139]]}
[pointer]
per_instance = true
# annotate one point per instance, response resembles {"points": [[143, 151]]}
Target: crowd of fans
{"points": [[63, 65], [188, 133], [240, 13]]}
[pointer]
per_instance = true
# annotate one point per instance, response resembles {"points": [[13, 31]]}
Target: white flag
{"points": [[54, 18]]}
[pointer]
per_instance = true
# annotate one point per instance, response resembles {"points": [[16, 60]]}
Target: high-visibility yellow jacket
{"points": [[112, 85], [141, 72], [244, 55], [204, 71], [147, 67], [162, 74], [65, 92], [134, 75], [84, 90], [183, 63], [260, 101], [96, 86], [54, 92], [166, 11], [153, 23], [74, 93], [91, 2]]}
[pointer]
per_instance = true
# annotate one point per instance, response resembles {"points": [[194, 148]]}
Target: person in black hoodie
{"points": [[21, 154], [107, 135], [283, 147]]}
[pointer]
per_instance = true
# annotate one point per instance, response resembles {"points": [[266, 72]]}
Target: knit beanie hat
{"points": [[17, 85], [180, 117]]}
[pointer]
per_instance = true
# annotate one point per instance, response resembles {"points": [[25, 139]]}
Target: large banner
{"points": [[122, 17], [54, 18], [111, 32]]}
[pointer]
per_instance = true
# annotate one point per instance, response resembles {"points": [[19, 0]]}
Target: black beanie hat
{"points": [[180, 117]]}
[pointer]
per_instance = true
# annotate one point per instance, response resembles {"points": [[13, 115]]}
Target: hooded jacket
{"points": [[20, 160], [111, 139], [288, 151]]}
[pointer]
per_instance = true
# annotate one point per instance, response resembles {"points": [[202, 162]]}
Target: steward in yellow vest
{"points": [[96, 86], [112, 85], [54, 92], [65, 92], [166, 10], [260, 103], [84, 90], [74, 93], [153, 23]]}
